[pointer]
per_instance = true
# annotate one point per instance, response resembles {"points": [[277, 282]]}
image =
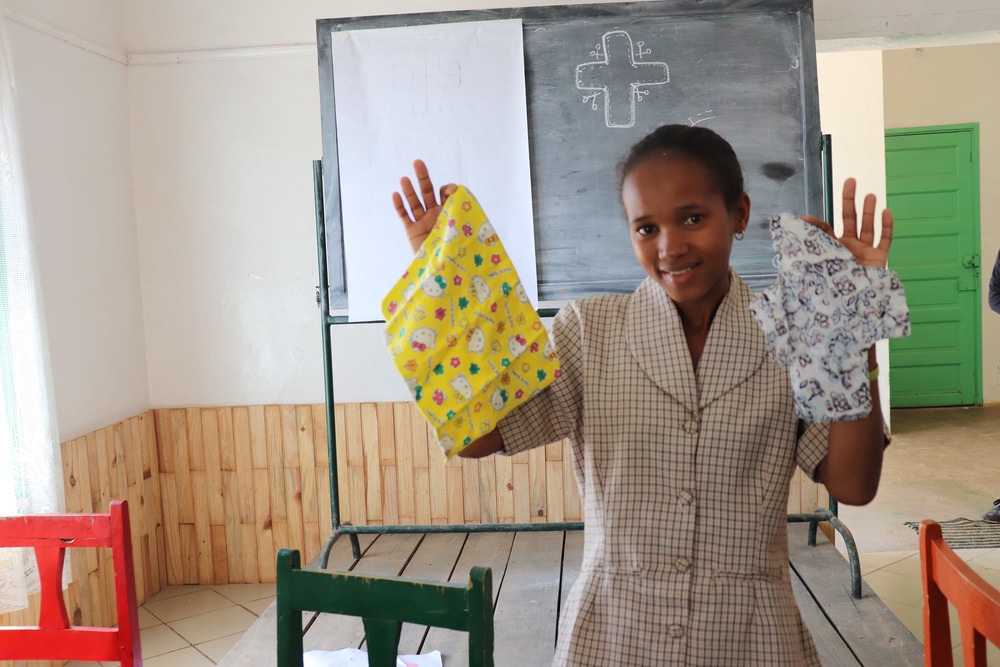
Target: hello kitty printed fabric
{"points": [[820, 317], [462, 331]]}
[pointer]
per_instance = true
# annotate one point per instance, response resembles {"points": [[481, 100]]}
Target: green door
{"points": [[932, 183]]}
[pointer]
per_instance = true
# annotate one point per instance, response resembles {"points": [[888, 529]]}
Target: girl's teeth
{"points": [[677, 273]]}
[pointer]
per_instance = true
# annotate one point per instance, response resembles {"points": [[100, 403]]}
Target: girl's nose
{"points": [[671, 244]]}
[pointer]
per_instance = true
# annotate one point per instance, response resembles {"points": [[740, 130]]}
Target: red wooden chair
{"points": [[54, 638], [947, 579]]}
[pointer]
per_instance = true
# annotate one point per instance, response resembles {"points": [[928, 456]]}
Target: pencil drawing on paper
{"points": [[619, 75], [424, 77]]}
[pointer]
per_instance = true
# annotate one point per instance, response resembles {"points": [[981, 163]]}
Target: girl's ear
{"points": [[742, 213]]}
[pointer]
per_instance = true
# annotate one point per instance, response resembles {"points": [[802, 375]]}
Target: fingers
{"points": [[411, 197], [850, 214], [404, 215], [424, 181], [867, 235], [822, 224], [447, 191], [886, 239]]}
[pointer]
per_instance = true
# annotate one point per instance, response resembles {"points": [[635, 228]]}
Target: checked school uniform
{"points": [[684, 478]]}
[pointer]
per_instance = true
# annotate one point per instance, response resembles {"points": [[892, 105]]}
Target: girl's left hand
{"points": [[861, 242]]}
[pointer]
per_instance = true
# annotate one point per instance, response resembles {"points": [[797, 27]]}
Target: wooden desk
{"points": [[532, 575]]}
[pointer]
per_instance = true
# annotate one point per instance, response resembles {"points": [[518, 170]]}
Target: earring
{"points": [[739, 236]]}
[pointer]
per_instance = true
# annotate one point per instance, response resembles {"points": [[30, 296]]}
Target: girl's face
{"points": [[682, 232]]}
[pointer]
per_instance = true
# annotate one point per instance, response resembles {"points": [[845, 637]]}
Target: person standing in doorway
{"points": [[993, 515]]}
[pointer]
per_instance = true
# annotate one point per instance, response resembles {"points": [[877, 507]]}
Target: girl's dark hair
{"points": [[695, 143]]}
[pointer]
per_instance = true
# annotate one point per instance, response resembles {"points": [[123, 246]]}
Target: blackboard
{"points": [[745, 68]]}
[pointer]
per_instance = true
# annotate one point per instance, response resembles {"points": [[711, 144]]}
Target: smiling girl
{"points": [[683, 431]]}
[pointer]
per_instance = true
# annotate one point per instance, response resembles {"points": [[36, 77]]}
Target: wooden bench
{"points": [[532, 575]]}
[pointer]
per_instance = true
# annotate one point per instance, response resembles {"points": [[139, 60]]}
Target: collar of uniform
{"points": [[656, 340], [735, 348], [733, 352]]}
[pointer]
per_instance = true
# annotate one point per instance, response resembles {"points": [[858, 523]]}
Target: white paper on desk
{"points": [[452, 95]]}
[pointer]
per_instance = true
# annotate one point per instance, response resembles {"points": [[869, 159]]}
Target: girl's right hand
{"points": [[424, 209]]}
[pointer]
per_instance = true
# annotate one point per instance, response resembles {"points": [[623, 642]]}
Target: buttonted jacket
{"points": [[684, 477]]}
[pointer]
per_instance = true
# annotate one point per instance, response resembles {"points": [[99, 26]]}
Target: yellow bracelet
{"points": [[873, 374]]}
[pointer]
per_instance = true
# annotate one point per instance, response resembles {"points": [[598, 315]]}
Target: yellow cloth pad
{"points": [[461, 330]]}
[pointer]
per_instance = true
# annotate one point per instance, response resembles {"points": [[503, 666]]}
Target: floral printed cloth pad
{"points": [[820, 317], [461, 330]]}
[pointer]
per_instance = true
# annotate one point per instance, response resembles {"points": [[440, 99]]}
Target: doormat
{"points": [[965, 533]]}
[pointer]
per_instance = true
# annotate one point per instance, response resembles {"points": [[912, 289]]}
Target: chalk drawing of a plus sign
{"points": [[425, 77], [620, 76]]}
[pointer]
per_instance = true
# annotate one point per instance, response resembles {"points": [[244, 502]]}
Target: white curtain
{"points": [[30, 463]]}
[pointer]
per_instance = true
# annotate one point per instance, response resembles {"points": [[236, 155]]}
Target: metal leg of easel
{"points": [[324, 552], [852, 554]]}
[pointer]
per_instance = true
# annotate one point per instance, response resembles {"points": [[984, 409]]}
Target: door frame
{"points": [[973, 130]]}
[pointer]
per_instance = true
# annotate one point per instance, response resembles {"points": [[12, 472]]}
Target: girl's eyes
{"points": [[645, 230], [694, 219]]}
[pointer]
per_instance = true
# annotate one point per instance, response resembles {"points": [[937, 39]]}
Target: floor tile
{"points": [[878, 560], [217, 648], [188, 657], [908, 567], [258, 606], [213, 625], [174, 591], [184, 606], [243, 593], [160, 639], [989, 558], [146, 619], [896, 587], [912, 618]]}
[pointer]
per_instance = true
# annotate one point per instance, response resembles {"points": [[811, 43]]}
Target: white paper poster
{"points": [[452, 95]]}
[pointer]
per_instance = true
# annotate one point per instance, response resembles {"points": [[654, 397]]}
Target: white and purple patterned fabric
{"points": [[820, 317]]}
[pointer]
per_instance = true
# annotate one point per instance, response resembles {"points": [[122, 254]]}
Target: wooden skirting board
{"points": [[215, 492]]}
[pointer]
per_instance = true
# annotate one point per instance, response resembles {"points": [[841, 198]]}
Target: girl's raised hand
{"points": [[861, 242], [424, 209]]}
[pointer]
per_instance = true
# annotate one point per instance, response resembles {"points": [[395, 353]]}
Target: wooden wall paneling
{"points": [[242, 515], [373, 472], [472, 511], [356, 491], [343, 485], [307, 460], [405, 472], [522, 486], [537, 490], [504, 474], [487, 484], [276, 477], [182, 467]]}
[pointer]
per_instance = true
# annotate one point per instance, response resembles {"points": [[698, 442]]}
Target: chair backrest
{"points": [[384, 604], [946, 579], [54, 638]]}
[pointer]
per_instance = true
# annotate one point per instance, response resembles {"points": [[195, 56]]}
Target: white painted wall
{"points": [[76, 145], [221, 149], [850, 101]]}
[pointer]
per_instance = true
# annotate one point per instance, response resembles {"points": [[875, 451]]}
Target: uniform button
{"points": [[676, 631], [682, 564], [685, 498], [691, 426]]}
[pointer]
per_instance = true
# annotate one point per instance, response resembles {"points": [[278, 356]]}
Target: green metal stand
{"points": [[352, 532]]}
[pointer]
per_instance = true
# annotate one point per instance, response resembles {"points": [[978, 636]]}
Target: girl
{"points": [[681, 426]]}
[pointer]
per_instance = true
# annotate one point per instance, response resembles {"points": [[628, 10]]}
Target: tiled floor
{"points": [[895, 578], [941, 465], [194, 626]]}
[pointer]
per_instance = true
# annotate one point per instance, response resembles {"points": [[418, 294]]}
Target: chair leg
{"points": [[382, 638]]}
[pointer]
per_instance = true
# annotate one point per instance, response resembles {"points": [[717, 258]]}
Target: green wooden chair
{"points": [[384, 604]]}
